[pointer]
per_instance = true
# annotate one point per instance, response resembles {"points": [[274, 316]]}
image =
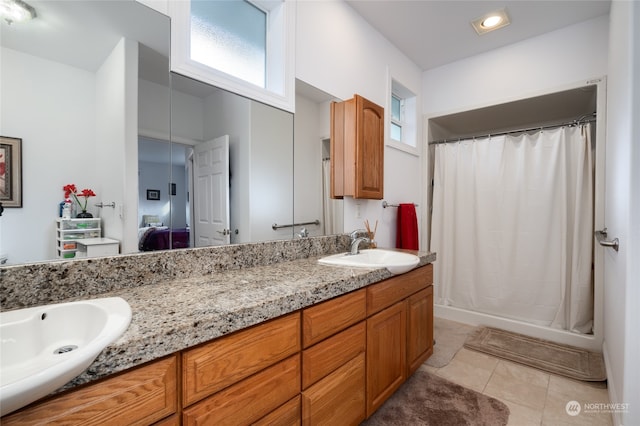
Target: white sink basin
{"points": [[396, 262], [44, 347]]}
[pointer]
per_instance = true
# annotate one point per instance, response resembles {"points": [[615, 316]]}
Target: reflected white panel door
{"points": [[211, 193]]}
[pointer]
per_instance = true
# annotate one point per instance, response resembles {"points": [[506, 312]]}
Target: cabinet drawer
{"points": [[249, 400], [332, 316], [325, 357], [339, 398], [286, 415], [139, 397], [392, 290], [216, 365]]}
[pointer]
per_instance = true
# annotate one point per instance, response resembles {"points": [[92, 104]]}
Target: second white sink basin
{"points": [[396, 262], [42, 348]]}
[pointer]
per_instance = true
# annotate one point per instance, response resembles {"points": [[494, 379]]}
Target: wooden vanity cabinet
{"points": [[399, 332], [357, 149], [140, 396], [333, 361]]}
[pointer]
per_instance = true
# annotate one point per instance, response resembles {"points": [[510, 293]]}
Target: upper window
{"points": [[230, 36], [402, 119], [397, 117], [244, 46]]}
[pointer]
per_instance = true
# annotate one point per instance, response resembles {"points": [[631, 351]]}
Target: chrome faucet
{"points": [[355, 244], [356, 240]]}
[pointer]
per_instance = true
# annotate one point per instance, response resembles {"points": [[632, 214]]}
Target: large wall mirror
{"points": [[89, 92]]}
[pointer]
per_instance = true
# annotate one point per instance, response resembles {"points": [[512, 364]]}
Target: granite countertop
{"points": [[176, 314]]}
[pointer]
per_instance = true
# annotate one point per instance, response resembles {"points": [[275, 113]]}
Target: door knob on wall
{"points": [[601, 236]]}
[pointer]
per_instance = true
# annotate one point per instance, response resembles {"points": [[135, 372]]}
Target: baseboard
{"points": [[611, 388]]}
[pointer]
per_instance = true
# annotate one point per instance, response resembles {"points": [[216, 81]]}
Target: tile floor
{"points": [[534, 397]]}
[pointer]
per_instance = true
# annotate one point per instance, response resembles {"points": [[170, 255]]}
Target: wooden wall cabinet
{"points": [[357, 149]]}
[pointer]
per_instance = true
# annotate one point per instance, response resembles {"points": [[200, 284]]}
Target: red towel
{"points": [[407, 232]]}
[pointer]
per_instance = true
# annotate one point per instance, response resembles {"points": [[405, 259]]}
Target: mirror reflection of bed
{"points": [[154, 235]]}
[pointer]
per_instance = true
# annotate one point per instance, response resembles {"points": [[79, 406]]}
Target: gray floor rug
{"points": [[425, 399], [564, 360], [449, 337]]}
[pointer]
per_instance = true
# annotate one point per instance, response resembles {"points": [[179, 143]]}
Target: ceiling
{"points": [[436, 32], [82, 33]]}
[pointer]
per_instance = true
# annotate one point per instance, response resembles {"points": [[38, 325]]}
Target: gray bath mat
{"points": [[428, 400], [569, 361]]}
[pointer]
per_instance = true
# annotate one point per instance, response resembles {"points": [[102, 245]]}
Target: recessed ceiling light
{"points": [[16, 11], [491, 21]]}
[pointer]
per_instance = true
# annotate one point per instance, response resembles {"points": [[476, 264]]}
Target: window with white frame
{"points": [[397, 117], [230, 36], [244, 46], [402, 117]]}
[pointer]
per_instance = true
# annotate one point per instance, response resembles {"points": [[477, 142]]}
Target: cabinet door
{"points": [[369, 173], [138, 397], [357, 149], [339, 398], [386, 354], [419, 329]]}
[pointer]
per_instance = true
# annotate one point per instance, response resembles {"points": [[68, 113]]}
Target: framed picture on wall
{"points": [[153, 194], [10, 172]]}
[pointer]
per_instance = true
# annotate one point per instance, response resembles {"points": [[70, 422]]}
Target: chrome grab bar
{"points": [[101, 204], [276, 226], [601, 236]]}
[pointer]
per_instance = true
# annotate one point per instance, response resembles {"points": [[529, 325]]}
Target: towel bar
{"points": [[385, 205]]}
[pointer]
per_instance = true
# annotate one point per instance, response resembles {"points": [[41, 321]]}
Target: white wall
{"points": [[307, 169], [543, 63], [154, 176], [229, 114], [187, 118], [154, 115], [271, 183], [117, 144], [338, 52], [40, 100], [622, 210]]}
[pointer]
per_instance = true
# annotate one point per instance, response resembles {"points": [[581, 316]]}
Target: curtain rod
{"points": [[577, 122]]}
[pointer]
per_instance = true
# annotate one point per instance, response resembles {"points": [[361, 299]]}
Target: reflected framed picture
{"points": [[153, 194], [10, 172]]}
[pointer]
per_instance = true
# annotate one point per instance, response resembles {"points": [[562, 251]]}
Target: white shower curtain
{"points": [[331, 208], [512, 227]]}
